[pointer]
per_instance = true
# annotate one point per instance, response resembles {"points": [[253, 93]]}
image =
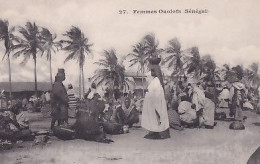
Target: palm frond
{"points": [[70, 56]]}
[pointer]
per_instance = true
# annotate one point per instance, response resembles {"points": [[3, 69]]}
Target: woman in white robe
{"points": [[208, 113], [198, 98], [154, 113], [223, 98]]}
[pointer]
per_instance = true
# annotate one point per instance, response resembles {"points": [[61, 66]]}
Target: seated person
{"points": [[187, 113], [13, 129], [138, 101], [208, 115], [126, 114], [109, 124], [174, 118]]}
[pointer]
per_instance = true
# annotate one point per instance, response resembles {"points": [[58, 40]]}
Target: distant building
{"points": [[24, 89], [140, 82]]}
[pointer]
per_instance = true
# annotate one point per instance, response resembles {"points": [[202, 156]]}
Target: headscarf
{"points": [[58, 77]]}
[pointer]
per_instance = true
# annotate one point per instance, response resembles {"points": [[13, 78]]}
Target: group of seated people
{"points": [[251, 98], [96, 116], [119, 112], [191, 107], [13, 125]]}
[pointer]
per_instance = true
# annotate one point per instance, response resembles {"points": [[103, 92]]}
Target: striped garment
{"points": [[72, 99]]}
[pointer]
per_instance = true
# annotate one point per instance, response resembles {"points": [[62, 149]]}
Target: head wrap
{"points": [[59, 74]]}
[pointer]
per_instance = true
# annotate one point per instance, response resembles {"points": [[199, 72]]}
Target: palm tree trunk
{"points": [[10, 80], [35, 77], [79, 82], [83, 81], [50, 70]]}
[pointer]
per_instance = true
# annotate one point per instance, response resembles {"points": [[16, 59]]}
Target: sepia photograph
{"points": [[129, 82]]}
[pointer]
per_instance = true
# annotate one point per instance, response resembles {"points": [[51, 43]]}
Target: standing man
{"points": [[59, 100], [154, 114]]}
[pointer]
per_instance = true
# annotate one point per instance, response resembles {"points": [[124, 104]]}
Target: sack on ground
{"points": [[63, 133]]}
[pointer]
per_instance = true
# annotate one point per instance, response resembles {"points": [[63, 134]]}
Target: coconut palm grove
{"points": [[177, 101]]}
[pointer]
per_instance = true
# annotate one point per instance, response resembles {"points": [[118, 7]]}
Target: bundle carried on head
{"points": [[154, 60]]}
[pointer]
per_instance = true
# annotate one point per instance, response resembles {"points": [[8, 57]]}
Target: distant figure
{"points": [[237, 100], [180, 89], [72, 101], [59, 100], [130, 95], [47, 97], [259, 92], [3, 102], [43, 99], [168, 95], [90, 94], [198, 97], [25, 103]]}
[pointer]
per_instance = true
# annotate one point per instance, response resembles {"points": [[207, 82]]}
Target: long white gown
{"points": [[222, 98], [208, 112], [198, 98], [155, 101]]}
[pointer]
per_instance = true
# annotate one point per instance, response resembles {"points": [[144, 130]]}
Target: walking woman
{"points": [[154, 114]]}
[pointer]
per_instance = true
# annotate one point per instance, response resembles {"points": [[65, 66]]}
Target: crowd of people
{"points": [[189, 104]]}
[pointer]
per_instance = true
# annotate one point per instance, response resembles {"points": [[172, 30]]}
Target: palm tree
{"points": [[252, 74], [112, 73], [139, 57], [6, 34], [210, 70], [152, 44], [177, 57], [235, 74], [196, 65], [49, 46], [28, 45], [227, 71], [239, 71], [77, 46]]}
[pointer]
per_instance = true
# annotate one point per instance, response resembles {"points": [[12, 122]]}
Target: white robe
{"points": [[155, 101], [198, 98], [224, 94], [208, 113], [222, 98], [187, 114]]}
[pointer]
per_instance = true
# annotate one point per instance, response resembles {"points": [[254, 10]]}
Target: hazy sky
{"points": [[229, 31]]}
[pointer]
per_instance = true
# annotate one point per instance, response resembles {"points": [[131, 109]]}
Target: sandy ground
{"points": [[190, 146]]}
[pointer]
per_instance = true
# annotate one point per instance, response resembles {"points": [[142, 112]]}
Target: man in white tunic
{"points": [[154, 114]]}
